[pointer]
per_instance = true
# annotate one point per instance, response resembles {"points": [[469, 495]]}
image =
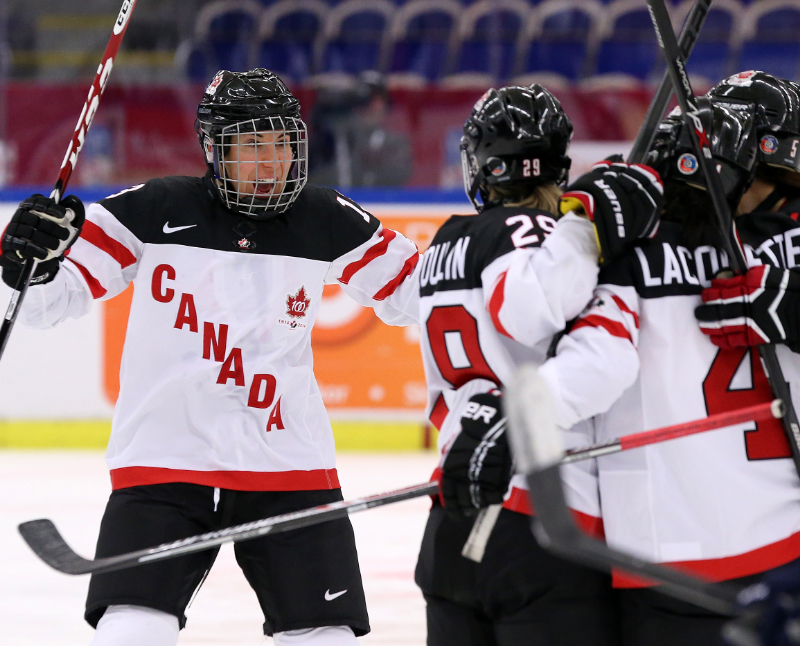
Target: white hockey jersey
{"points": [[726, 503], [494, 290], [216, 383]]}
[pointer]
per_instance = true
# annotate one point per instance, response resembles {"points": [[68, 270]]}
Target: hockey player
{"points": [[219, 419], [724, 504], [495, 288]]}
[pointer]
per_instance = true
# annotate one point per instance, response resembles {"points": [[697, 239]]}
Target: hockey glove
{"points": [[42, 229], [622, 200], [477, 469], [763, 306], [770, 610]]}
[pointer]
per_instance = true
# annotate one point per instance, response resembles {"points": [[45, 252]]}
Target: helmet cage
{"points": [[269, 174]]}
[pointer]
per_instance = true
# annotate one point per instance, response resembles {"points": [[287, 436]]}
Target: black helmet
{"points": [[778, 107], [731, 130], [515, 134], [236, 106]]}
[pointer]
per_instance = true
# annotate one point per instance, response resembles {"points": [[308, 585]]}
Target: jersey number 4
{"points": [[768, 440], [453, 336]]}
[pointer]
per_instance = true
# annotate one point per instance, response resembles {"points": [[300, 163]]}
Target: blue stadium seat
{"points": [[768, 38], [354, 36], [557, 36], [223, 38], [489, 35], [627, 42], [711, 56], [286, 37], [419, 37]]}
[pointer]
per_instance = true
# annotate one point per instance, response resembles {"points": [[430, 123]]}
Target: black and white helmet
{"points": [[777, 104], [731, 131], [254, 142], [515, 135]]}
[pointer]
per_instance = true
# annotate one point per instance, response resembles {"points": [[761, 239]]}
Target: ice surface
{"points": [[41, 606]]}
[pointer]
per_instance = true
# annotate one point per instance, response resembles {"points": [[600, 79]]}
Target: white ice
{"points": [[41, 606]]}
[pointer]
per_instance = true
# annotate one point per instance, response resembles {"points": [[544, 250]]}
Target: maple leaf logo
{"points": [[297, 305]]}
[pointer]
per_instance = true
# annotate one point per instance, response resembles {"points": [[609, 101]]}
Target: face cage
{"points": [[469, 172], [270, 174]]}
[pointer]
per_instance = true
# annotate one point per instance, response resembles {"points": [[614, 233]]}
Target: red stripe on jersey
{"points": [[100, 239], [496, 302], [236, 480], [373, 252], [94, 285], [728, 567], [439, 412], [390, 287], [520, 502], [621, 305], [612, 327]]}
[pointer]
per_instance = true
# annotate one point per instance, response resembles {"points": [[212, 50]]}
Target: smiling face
{"points": [[258, 163]]}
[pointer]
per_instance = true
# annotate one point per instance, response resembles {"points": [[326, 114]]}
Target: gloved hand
{"points": [[763, 306], [477, 468], [42, 229], [770, 611], [622, 200]]}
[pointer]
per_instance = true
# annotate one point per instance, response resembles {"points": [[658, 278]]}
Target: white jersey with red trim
{"points": [[216, 383], [494, 290], [725, 503]]}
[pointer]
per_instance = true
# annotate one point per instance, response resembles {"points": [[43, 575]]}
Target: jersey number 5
{"points": [[453, 336], [768, 440]]}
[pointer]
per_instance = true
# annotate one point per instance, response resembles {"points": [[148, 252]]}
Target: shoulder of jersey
{"points": [[758, 227]]}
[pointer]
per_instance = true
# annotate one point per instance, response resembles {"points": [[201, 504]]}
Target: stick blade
{"points": [[47, 543]]}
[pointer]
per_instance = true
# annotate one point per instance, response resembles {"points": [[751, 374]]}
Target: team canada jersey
{"points": [[216, 381], [494, 290], [725, 503]]}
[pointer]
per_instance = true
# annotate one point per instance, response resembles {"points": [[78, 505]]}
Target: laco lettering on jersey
{"points": [[263, 387], [444, 261]]}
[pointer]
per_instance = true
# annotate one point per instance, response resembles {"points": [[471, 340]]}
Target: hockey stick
{"points": [[655, 113], [487, 517], [482, 528], [683, 90], [45, 540], [537, 446], [71, 158]]}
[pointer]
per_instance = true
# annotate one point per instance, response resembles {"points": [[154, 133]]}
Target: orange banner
{"points": [[360, 362]]}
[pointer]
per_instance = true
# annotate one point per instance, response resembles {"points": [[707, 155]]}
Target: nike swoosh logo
{"points": [[331, 597], [169, 229]]}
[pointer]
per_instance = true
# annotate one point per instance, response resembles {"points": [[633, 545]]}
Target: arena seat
{"points": [[419, 38], [768, 38], [557, 37], [354, 36], [286, 37], [489, 34], [223, 37]]}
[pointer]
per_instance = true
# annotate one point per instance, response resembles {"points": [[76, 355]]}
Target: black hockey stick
{"points": [[46, 541], [655, 113], [71, 158], [536, 440], [683, 90]]}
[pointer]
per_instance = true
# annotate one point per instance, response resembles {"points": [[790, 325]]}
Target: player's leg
{"points": [[448, 580], [533, 597], [140, 517], [650, 618], [325, 636], [134, 626], [305, 578]]}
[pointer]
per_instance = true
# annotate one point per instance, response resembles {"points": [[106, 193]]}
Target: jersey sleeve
{"points": [[531, 293], [378, 268], [100, 265], [598, 360]]}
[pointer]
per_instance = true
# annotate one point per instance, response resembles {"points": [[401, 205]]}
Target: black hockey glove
{"points": [[477, 469], [40, 229], [622, 200], [763, 306]]}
